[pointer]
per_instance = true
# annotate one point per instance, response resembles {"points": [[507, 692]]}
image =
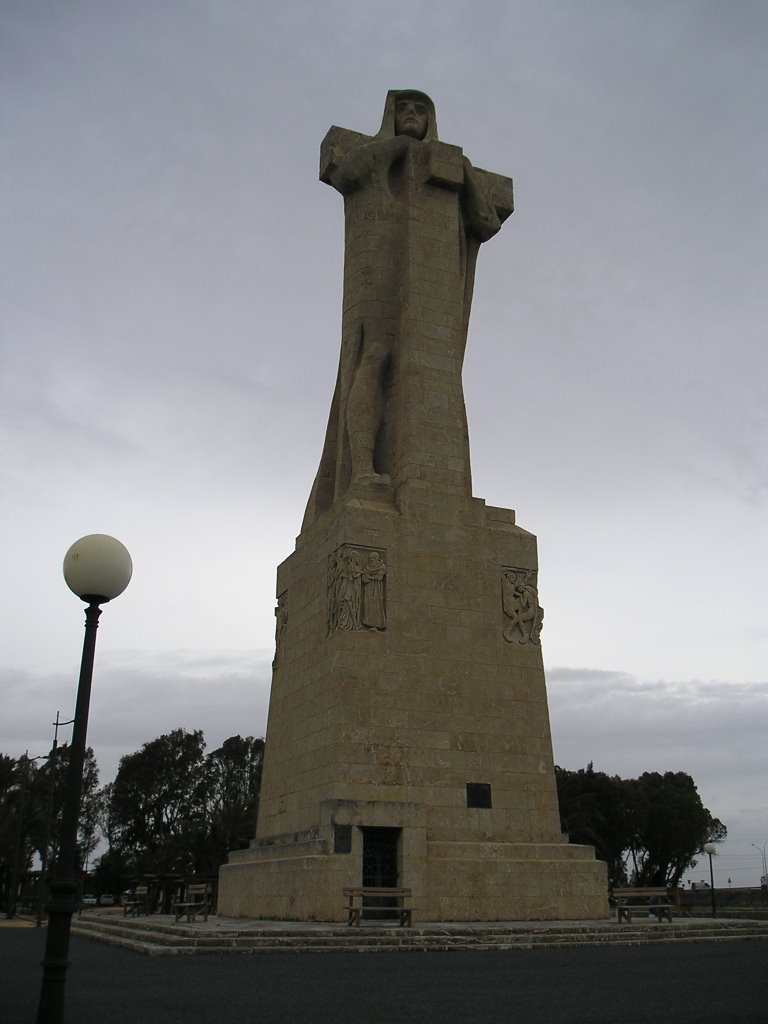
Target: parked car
{"points": [[89, 900], [107, 899]]}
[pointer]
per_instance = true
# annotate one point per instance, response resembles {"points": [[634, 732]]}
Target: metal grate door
{"points": [[380, 850]]}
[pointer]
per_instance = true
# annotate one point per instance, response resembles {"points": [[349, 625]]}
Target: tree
{"points": [[14, 779], [595, 810], [110, 872], [158, 793], [8, 808], [670, 826], [232, 795], [174, 810], [30, 811], [656, 824], [44, 801]]}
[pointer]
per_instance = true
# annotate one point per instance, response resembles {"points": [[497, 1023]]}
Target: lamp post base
{"points": [[61, 907]]}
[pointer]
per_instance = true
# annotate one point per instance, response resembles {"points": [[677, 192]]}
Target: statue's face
{"points": [[411, 118]]}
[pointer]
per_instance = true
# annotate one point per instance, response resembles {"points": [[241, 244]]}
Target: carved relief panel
{"points": [[356, 589], [523, 615]]}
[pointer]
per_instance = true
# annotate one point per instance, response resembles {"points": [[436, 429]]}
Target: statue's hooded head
{"points": [[408, 112]]}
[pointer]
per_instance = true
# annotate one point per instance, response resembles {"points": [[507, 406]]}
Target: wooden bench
{"points": [[196, 901], [356, 896], [657, 900], [137, 902]]}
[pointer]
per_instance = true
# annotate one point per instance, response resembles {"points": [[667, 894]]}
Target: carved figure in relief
{"points": [[356, 596], [374, 614], [383, 179], [349, 590], [520, 603]]}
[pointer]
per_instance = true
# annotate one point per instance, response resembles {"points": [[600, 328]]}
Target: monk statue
{"points": [[416, 213]]}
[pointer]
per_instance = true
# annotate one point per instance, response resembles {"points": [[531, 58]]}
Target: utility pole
{"points": [[52, 763]]}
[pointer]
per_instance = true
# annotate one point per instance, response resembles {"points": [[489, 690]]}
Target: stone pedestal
{"points": [[402, 726]]}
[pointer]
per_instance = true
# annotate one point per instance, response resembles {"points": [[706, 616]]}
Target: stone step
{"points": [[163, 926], [162, 938]]}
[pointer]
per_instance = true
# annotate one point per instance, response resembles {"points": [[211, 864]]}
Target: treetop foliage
{"points": [[649, 830], [31, 801], [175, 809], [172, 808]]}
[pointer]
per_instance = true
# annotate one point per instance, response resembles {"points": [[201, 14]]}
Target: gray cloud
{"points": [[712, 729], [139, 695], [719, 724]]}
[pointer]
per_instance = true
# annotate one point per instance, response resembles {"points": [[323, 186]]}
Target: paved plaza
{"points": [[686, 983]]}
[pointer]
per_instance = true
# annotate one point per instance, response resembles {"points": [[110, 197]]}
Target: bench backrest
{"points": [[197, 893], [645, 892]]}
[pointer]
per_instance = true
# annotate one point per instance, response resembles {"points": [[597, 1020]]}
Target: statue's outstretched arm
{"points": [[480, 217], [355, 168]]}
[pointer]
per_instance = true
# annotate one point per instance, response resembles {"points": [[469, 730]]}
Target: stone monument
{"points": [[408, 739]]}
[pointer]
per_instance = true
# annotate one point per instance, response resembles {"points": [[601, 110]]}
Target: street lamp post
{"points": [[710, 849], [97, 568]]}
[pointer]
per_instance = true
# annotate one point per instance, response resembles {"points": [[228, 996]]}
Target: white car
{"points": [[89, 900], [107, 900]]}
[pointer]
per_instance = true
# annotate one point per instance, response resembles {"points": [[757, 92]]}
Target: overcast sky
{"points": [[170, 307]]}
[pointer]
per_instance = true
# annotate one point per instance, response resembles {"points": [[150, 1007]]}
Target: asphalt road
{"points": [[698, 983]]}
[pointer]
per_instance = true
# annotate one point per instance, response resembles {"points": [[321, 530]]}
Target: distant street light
{"points": [[97, 568], [710, 849], [764, 879]]}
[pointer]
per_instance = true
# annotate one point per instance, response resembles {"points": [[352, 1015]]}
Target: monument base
{"points": [[450, 881], [408, 741]]}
